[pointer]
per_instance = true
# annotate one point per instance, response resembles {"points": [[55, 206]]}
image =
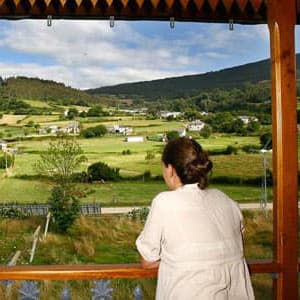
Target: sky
{"points": [[90, 54]]}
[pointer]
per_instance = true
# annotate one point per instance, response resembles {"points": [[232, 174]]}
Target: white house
{"points": [[247, 119], [166, 114], [71, 128], [134, 139], [120, 129], [182, 132], [3, 145], [196, 125]]}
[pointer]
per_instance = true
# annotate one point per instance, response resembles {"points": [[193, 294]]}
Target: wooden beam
{"points": [[281, 22], [78, 272]]}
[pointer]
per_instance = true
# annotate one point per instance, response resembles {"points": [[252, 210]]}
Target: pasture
{"points": [[24, 185]]}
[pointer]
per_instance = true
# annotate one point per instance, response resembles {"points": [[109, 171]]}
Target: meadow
{"points": [[24, 185], [111, 240]]}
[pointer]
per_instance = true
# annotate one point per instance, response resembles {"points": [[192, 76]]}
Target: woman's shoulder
{"points": [[220, 196]]}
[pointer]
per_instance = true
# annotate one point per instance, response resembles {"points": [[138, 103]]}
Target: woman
{"points": [[194, 234]]}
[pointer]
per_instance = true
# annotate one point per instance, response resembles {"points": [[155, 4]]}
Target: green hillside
{"points": [[191, 85], [23, 88]]}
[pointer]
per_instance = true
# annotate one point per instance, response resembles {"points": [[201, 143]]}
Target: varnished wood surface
{"points": [[241, 11], [76, 272], [281, 21]]}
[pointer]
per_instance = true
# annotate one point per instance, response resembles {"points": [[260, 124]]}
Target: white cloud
{"points": [[88, 54]]}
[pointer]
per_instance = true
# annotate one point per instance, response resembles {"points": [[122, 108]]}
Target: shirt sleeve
{"points": [[149, 241]]}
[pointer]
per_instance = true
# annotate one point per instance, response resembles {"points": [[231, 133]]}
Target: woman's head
{"points": [[190, 162]]}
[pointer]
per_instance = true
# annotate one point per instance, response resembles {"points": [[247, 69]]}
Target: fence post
{"points": [[47, 224], [35, 240]]}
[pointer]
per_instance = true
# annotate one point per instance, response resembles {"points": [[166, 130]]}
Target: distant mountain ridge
{"points": [[44, 90], [190, 85]]}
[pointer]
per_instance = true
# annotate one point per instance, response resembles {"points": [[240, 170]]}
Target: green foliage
{"points": [[95, 111], [139, 214], [60, 160], [229, 150], [266, 140], [72, 113], [65, 207], [6, 161], [101, 171], [171, 135], [126, 152], [11, 213], [251, 148], [253, 126], [97, 131], [44, 90], [206, 131], [149, 155]]}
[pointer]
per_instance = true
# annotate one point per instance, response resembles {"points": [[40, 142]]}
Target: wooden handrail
{"points": [[76, 272]]}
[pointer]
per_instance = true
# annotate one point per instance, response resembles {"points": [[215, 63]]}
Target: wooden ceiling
{"points": [[241, 11]]}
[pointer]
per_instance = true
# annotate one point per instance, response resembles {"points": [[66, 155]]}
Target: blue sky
{"points": [[87, 54]]}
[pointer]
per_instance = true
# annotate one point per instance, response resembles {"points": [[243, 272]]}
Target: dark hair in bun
{"points": [[191, 163]]}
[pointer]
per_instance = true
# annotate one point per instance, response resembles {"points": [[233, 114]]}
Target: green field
{"points": [[111, 240]]}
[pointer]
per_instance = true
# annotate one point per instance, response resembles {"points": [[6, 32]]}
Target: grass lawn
{"points": [[123, 193], [111, 240], [11, 120]]}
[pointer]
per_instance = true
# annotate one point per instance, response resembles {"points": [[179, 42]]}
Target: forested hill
{"points": [[190, 85], [21, 88]]}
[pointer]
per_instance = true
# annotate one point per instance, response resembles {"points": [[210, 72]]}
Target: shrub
{"points": [[11, 213], [251, 148], [9, 159], [126, 152], [101, 171], [139, 214], [172, 135], [206, 131], [99, 130], [64, 206]]}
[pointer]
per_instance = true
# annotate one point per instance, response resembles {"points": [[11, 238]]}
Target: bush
{"points": [[11, 213], [96, 131], [101, 171], [126, 152], [64, 206], [206, 131], [139, 214], [10, 161], [251, 148], [172, 135], [229, 150]]}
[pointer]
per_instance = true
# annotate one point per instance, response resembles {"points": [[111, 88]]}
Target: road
{"points": [[124, 210]]}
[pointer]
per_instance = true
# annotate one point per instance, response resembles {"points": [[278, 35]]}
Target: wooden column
{"points": [[281, 22]]}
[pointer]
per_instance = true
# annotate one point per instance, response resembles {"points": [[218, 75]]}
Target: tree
{"points": [[72, 113], [206, 131], [172, 135], [60, 161], [253, 126], [266, 140], [95, 111], [91, 132], [149, 155], [101, 171]]}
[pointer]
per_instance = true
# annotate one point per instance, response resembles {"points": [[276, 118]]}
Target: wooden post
{"points": [[281, 22], [35, 240], [47, 224]]}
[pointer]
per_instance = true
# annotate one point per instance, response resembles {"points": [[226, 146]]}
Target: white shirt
{"points": [[197, 235]]}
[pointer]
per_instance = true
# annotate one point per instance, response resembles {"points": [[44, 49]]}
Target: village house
{"points": [[182, 132], [3, 145], [247, 119], [71, 128], [119, 129], [134, 139], [196, 125], [166, 114]]}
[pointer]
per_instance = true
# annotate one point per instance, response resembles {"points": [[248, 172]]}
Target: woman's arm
{"points": [[149, 264]]}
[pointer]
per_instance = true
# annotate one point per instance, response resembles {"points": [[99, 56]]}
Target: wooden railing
{"points": [[76, 272]]}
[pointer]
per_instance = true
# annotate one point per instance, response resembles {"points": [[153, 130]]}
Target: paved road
{"points": [[124, 210]]}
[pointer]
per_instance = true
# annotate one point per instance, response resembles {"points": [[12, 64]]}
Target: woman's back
{"points": [[200, 227]]}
